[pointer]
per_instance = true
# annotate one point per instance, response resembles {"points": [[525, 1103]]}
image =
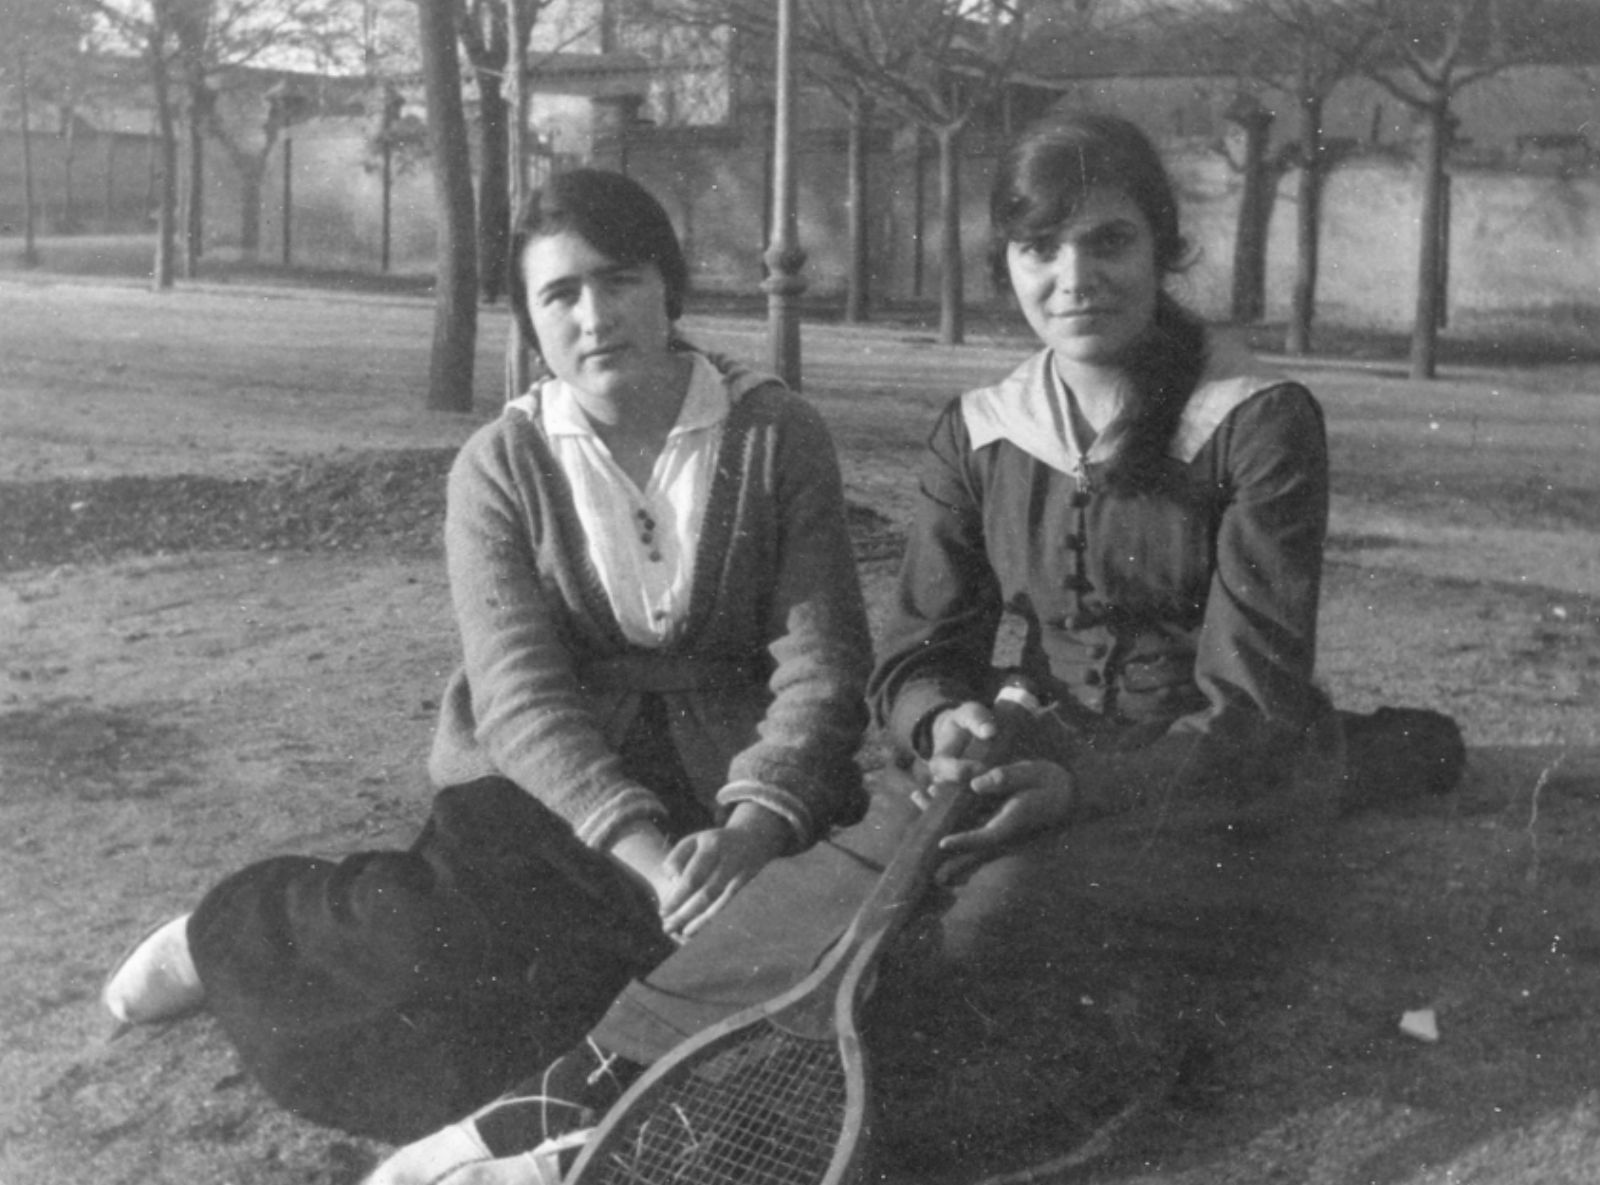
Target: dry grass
{"points": [[163, 719]]}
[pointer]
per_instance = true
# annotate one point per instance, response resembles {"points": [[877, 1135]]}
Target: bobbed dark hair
{"points": [[615, 215], [1042, 179], [1040, 183]]}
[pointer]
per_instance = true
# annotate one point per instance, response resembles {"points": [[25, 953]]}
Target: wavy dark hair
{"points": [[1041, 181], [616, 216]]}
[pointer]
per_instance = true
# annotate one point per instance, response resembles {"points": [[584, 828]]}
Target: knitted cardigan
{"points": [[763, 684]]}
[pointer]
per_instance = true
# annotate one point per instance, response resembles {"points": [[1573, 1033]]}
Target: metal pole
{"points": [[784, 257], [518, 361]]}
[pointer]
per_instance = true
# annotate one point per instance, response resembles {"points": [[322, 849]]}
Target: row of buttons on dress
{"points": [[1088, 614], [647, 533]]}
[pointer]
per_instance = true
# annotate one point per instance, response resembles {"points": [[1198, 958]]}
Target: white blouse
{"points": [[642, 543]]}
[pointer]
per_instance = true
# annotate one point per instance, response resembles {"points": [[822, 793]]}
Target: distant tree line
{"points": [[932, 66]]}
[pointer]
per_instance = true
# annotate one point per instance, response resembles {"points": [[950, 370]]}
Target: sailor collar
{"points": [[1029, 408]]}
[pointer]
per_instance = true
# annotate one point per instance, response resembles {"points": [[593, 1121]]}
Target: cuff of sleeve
{"points": [[634, 805], [911, 720], [786, 806]]}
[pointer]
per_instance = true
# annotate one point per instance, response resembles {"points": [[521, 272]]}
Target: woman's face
{"points": [[602, 325], [1090, 289]]}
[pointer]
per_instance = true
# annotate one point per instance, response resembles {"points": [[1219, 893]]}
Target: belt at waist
{"points": [[669, 672]]}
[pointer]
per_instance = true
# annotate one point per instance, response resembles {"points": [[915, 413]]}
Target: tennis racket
{"points": [[778, 1094]]}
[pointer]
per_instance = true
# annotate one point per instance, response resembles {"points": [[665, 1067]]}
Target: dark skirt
{"points": [[393, 991]]}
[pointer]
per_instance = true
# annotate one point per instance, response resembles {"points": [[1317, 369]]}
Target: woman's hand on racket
{"points": [[709, 867], [1027, 798], [953, 734]]}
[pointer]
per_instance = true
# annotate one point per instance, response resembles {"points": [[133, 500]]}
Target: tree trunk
{"points": [[455, 315], [1308, 219], [252, 176], [69, 160], [1425, 329], [1256, 199], [1446, 186], [856, 291], [952, 314], [919, 214], [162, 277], [110, 213], [386, 208], [286, 219], [494, 189], [194, 203], [30, 247]]}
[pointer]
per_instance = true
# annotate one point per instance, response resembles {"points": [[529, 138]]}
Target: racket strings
{"points": [[765, 1111]]}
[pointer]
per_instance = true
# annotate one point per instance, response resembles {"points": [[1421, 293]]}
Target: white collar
{"points": [[1028, 407], [705, 404]]}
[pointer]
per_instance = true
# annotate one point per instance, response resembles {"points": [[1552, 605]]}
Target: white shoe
{"points": [[456, 1155], [156, 980], [528, 1136]]}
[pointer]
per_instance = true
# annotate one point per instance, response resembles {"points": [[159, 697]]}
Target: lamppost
{"points": [[287, 105], [784, 255]]}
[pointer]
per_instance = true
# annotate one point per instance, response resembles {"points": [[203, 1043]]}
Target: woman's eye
{"points": [[1043, 250], [1111, 242]]}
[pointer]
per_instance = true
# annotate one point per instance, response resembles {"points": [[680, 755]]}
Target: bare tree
{"points": [[1302, 50], [1432, 50], [248, 153], [148, 27], [36, 39], [938, 63], [191, 24], [1260, 168], [194, 46], [488, 39], [455, 318]]}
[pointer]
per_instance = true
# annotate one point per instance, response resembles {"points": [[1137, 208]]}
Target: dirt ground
{"points": [[224, 626]]}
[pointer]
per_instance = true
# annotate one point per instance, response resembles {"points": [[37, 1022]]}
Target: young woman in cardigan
{"points": [[664, 654]]}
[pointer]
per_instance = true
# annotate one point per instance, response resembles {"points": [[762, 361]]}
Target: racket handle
{"points": [[1016, 705]]}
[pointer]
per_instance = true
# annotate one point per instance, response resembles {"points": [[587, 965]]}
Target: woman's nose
{"points": [[1075, 270], [593, 310]]}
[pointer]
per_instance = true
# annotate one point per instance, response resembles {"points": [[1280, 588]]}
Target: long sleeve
{"points": [[530, 717], [939, 640], [801, 762]]}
